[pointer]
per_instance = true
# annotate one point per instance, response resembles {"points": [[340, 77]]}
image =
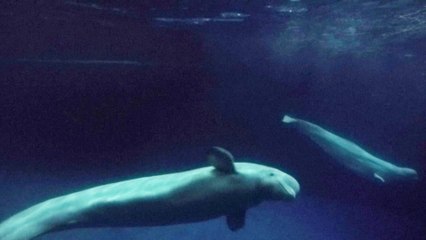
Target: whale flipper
{"points": [[380, 178], [236, 220], [221, 159]]}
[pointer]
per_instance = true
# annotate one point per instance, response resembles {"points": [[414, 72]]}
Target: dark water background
{"points": [[94, 92]]}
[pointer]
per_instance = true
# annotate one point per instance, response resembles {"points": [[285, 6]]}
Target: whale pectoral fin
{"points": [[380, 178], [236, 220], [221, 159]]}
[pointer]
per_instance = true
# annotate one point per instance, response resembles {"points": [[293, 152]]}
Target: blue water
{"points": [[92, 93]]}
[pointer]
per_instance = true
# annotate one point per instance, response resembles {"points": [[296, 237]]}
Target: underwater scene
{"points": [[231, 120]]}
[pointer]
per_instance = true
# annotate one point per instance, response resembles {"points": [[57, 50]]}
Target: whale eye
{"points": [[271, 174]]}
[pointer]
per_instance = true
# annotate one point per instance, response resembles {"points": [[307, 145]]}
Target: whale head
{"points": [[408, 174], [398, 174], [273, 183], [280, 185]]}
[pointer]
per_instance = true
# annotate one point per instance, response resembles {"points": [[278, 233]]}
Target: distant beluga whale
{"points": [[351, 155], [223, 189]]}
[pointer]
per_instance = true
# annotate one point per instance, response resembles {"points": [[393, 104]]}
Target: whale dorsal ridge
{"points": [[221, 159], [380, 178]]}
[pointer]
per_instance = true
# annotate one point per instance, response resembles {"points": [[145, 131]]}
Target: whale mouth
{"points": [[289, 191]]}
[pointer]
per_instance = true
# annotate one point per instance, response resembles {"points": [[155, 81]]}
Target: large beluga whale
{"points": [[226, 188], [351, 155]]}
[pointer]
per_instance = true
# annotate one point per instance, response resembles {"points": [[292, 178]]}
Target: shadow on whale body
{"points": [[351, 155], [225, 189]]}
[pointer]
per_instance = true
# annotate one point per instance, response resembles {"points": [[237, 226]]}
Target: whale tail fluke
{"points": [[288, 119]]}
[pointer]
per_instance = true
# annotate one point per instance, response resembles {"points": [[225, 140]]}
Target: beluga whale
{"points": [[226, 188], [351, 155]]}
